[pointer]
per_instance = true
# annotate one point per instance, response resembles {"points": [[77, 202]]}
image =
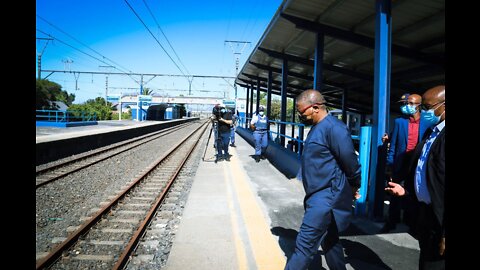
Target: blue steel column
{"points": [[381, 108], [246, 107], [251, 101], [318, 63], [258, 93], [293, 117], [269, 96], [283, 103]]}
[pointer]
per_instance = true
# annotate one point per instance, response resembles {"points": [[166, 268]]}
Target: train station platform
{"points": [[48, 134], [53, 143], [246, 215]]}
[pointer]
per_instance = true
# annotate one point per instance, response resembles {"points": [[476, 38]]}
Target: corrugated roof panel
{"points": [[308, 9], [418, 26], [349, 14], [280, 35]]}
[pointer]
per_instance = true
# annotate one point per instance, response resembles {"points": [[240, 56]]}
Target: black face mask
{"points": [[305, 121]]}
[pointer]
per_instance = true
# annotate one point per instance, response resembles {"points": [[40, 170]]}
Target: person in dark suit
{"points": [[330, 174], [426, 181], [406, 133]]}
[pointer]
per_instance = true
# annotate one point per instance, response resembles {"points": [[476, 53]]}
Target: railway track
{"points": [[107, 239], [48, 174]]}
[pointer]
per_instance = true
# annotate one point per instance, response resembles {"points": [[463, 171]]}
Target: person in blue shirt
{"points": [[330, 173], [259, 125]]}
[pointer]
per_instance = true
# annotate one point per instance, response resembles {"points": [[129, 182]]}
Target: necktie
{"points": [[420, 173]]}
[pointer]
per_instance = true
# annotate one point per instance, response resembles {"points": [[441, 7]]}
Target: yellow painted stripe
{"points": [[239, 246], [265, 247]]}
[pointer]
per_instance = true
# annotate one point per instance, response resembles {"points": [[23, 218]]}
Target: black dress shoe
{"points": [[233, 145], [227, 158], [263, 157], [257, 159]]}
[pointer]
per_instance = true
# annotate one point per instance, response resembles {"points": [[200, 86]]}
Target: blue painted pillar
{"points": [[293, 117], [251, 101], [318, 62], [269, 96], [364, 159], [283, 102], [258, 93], [246, 107], [381, 108], [139, 108]]}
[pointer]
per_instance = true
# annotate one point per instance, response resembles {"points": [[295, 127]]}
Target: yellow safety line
{"points": [[239, 246], [265, 247]]}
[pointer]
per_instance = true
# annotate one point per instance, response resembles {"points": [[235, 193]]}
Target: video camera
{"points": [[218, 111]]}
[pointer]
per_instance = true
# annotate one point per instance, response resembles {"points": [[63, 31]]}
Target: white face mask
{"points": [[261, 113]]}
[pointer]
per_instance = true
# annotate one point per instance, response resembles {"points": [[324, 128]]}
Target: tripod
{"points": [[214, 128]]}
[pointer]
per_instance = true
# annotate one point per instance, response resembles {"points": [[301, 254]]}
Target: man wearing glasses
{"points": [[426, 181], [406, 133], [330, 174]]}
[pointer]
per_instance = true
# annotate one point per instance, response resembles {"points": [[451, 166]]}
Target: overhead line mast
{"points": [[40, 56], [237, 54]]}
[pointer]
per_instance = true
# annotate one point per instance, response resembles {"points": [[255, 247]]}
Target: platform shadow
{"points": [[358, 255]]}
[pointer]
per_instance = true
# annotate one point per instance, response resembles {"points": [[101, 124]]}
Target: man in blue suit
{"points": [[407, 132], [330, 174]]}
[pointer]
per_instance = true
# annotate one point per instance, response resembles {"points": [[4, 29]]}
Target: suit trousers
{"points": [[308, 241], [429, 236], [397, 204]]}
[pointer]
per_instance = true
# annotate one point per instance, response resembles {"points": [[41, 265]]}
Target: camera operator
{"points": [[224, 119], [213, 118]]}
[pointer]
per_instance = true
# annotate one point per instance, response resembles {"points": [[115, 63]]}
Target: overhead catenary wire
{"points": [[165, 36], [94, 57], [158, 42], [56, 27]]}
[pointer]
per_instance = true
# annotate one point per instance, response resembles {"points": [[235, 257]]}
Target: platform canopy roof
{"points": [[418, 49]]}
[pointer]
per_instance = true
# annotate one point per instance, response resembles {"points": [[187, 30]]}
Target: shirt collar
{"points": [[440, 126], [411, 119]]}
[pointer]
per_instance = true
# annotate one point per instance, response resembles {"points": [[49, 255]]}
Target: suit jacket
{"points": [[398, 145], [329, 169], [435, 174]]}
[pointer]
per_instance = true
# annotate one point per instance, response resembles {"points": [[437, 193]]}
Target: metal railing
{"points": [[296, 142], [64, 116]]}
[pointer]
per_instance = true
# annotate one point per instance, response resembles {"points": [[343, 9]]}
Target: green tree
{"points": [[47, 92], [93, 106], [275, 110], [147, 91]]}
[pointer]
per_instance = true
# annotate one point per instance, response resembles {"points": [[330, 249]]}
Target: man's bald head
{"points": [[310, 96], [436, 93], [415, 98]]}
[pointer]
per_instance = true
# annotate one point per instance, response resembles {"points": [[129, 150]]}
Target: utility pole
{"points": [[39, 57], [106, 80], [190, 80], [237, 54]]}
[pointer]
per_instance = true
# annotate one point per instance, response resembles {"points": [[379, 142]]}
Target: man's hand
{"points": [[395, 189], [356, 193], [442, 246], [385, 138]]}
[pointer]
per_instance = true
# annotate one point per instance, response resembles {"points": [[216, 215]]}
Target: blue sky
{"points": [[111, 32]]}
